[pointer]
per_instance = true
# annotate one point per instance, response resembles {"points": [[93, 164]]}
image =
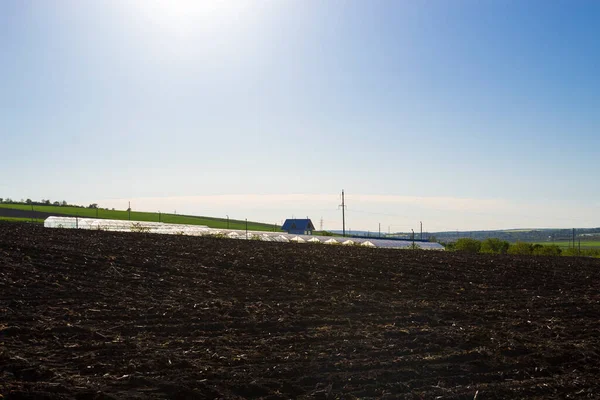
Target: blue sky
{"points": [[462, 114]]}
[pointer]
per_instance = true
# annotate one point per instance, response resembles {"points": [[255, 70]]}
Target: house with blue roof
{"points": [[298, 226]]}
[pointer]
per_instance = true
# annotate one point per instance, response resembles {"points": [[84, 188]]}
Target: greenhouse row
{"points": [[197, 230]]}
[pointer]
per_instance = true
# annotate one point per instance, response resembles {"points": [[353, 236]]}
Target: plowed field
{"points": [[97, 315]]}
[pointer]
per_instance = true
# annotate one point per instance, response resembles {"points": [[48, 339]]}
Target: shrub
{"points": [[449, 246], [494, 246], [467, 245], [584, 252], [520, 248], [137, 227], [547, 250], [323, 233]]}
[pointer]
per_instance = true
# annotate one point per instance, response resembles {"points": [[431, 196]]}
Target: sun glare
{"points": [[188, 16]]}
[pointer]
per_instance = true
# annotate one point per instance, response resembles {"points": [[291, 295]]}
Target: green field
{"points": [[220, 223], [565, 244]]}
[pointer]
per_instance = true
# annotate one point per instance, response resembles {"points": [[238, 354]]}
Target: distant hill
{"points": [[360, 233], [37, 213], [523, 235]]}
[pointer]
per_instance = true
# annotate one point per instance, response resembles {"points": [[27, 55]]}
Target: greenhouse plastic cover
{"points": [[197, 230]]}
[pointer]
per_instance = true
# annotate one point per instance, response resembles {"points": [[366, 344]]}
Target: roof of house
{"points": [[298, 224]]}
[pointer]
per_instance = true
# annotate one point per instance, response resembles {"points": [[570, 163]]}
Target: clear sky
{"points": [[462, 114]]}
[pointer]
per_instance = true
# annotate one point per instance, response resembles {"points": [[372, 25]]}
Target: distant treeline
{"points": [[498, 246], [44, 202], [512, 236]]}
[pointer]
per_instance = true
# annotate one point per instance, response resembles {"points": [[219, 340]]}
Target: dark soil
{"points": [[97, 315]]}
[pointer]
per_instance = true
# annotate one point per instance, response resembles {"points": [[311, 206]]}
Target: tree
{"points": [[93, 205], [56, 203], [467, 245], [63, 203], [28, 201], [1, 200], [494, 246], [47, 202]]}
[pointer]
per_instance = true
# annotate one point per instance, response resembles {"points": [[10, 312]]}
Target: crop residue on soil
{"points": [[88, 314]]}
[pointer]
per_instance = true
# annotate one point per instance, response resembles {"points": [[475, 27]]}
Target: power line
{"points": [[343, 205]]}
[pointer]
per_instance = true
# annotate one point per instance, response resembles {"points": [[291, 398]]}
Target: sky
{"points": [[462, 115]]}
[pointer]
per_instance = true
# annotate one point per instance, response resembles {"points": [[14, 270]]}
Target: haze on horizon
{"points": [[466, 115]]}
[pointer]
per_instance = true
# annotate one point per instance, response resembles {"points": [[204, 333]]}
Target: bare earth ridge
{"points": [[98, 315]]}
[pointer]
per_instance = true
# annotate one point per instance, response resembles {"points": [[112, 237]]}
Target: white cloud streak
{"points": [[365, 210]]}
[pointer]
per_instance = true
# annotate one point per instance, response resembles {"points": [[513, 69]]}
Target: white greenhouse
{"points": [[197, 230]]}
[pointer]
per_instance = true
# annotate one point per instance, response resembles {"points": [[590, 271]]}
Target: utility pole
{"points": [[129, 210], [573, 238], [421, 229], [159, 219], [321, 225], [413, 237], [227, 221], [343, 205], [380, 230], [246, 228]]}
